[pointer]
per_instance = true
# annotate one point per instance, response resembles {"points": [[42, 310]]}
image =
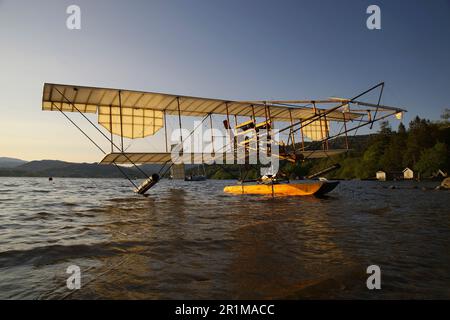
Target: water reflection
{"points": [[189, 240]]}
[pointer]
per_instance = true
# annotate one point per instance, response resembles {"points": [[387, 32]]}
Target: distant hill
{"points": [[42, 165], [55, 168], [10, 162]]}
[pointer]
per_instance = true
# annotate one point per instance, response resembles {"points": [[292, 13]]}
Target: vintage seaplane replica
{"points": [[287, 131]]}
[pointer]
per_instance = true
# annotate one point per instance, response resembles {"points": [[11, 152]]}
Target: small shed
{"points": [[408, 174], [381, 175]]}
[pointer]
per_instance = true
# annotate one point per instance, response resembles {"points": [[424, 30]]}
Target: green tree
{"points": [[433, 159], [350, 168], [373, 158], [300, 169], [392, 158], [402, 130], [422, 135], [385, 129], [221, 174]]}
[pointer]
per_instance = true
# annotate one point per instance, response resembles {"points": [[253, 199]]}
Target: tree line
{"points": [[423, 147]]}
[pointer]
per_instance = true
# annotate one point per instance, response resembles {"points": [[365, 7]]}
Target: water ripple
{"points": [[189, 240]]}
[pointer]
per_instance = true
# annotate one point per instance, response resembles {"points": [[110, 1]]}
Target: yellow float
{"points": [[284, 189]]}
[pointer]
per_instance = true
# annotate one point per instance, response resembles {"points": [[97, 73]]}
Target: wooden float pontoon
{"points": [[309, 128]]}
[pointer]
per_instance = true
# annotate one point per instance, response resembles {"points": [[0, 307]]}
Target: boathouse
{"points": [[408, 174], [381, 175]]}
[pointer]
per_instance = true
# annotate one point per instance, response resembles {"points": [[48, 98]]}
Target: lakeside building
{"points": [[381, 175], [408, 174]]}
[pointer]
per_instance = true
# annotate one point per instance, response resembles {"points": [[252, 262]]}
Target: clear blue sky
{"points": [[224, 49]]}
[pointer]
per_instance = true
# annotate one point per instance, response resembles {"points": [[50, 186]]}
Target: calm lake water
{"points": [[190, 240]]}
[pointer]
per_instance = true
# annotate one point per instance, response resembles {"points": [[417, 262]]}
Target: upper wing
{"points": [[93, 100]]}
